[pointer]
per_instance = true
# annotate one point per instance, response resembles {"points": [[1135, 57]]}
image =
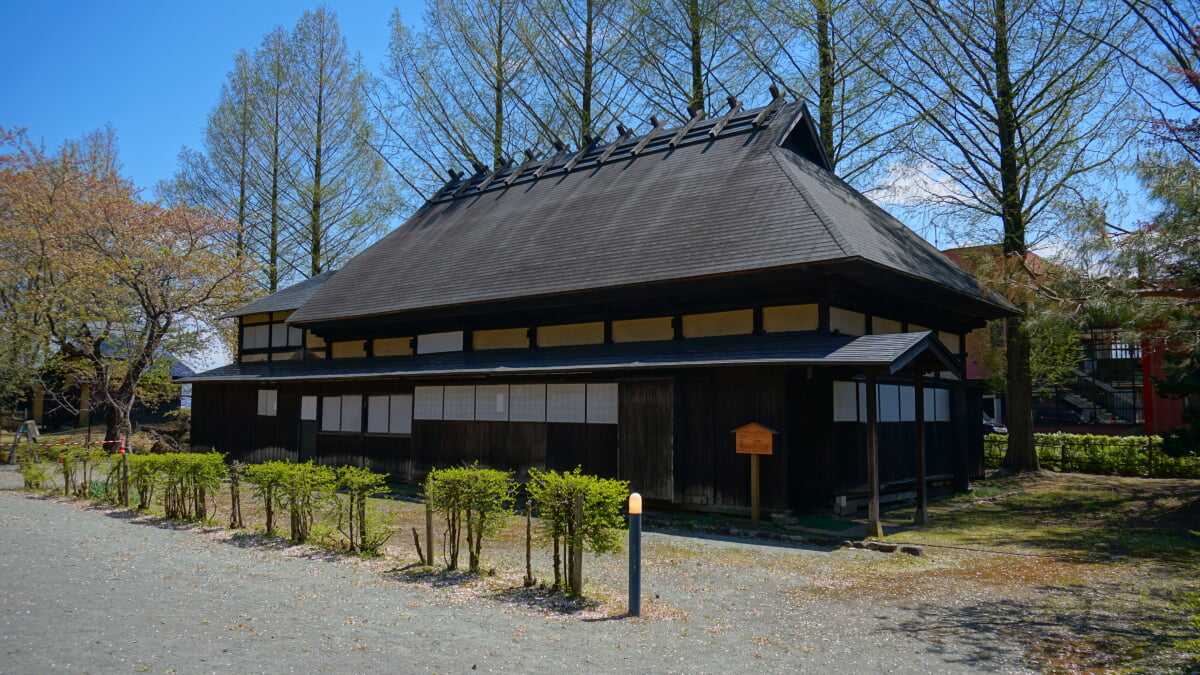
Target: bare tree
{"points": [[818, 50], [1171, 62], [582, 53], [1018, 100], [690, 56]]}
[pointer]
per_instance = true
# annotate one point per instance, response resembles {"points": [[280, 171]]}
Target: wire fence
{"points": [[1108, 455]]}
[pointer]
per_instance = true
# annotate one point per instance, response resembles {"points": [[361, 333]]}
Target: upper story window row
{"points": [[276, 338]]}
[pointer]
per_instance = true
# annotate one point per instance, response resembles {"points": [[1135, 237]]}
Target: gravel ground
{"points": [[89, 591]]}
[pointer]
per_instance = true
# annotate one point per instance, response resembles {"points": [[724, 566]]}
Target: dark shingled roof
{"points": [[738, 193], [282, 300], [892, 352]]}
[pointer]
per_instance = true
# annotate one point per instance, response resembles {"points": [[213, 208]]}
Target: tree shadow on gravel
{"points": [[1056, 628], [545, 599]]}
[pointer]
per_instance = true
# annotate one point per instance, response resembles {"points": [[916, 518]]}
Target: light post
{"points": [[635, 554]]}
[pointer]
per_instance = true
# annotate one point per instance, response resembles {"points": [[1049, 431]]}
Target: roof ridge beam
{"points": [[587, 147], [637, 149], [550, 160], [764, 114], [697, 115], [496, 174], [735, 106], [612, 147]]}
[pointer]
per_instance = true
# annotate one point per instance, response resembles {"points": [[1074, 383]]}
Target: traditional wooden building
{"points": [[623, 308]]}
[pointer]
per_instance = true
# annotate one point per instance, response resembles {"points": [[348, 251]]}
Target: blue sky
{"points": [[150, 68]]}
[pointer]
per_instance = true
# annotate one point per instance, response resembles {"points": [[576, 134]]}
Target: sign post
{"points": [[755, 440]]}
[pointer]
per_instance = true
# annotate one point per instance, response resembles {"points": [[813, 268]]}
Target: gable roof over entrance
{"points": [[742, 193]]}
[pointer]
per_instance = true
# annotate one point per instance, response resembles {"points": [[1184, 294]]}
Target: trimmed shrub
{"points": [[145, 474], [364, 531], [1111, 455], [265, 482], [472, 499], [187, 480], [554, 497], [304, 488], [34, 471]]}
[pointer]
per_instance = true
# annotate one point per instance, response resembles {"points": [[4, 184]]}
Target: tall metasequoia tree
{"points": [[460, 92], [1018, 100], [341, 195], [274, 157], [691, 57], [817, 50], [583, 56], [114, 283]]}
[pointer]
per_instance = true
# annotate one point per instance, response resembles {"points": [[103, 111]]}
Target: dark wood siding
{"points": [[645, 459]]}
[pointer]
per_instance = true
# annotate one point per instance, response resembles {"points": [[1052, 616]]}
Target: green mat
{"points": [[819, 523]]}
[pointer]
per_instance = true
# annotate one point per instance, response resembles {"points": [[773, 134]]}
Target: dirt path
{"points": [[86, 591]]}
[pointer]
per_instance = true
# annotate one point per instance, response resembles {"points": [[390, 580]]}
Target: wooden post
{"points": [[754, 496], [428, 532], [528, 543], [921, 516], [575, 577], [874, 527]]}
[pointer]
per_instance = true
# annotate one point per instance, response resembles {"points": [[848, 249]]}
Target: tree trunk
{"points": [[826, 82], [1021, 455], [1022, 452], [697, 54]]}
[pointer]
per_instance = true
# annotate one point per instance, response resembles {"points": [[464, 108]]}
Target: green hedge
{"points": [[1109, 455]]}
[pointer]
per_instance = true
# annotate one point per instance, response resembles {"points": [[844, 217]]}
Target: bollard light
{"points": [[635, 554]]}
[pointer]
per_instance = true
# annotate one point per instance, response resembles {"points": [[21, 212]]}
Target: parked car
{"points": [[991, 426]]}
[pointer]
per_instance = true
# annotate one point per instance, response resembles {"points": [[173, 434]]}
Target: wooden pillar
{"points": [[85, 405], [38, 405], [874, 527], [921, 516]]}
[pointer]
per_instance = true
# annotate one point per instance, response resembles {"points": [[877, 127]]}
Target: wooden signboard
{"points": [[754, 439]]}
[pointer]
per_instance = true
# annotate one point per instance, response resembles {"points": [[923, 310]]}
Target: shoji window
{"points": [[268, 402], [390, 414]]}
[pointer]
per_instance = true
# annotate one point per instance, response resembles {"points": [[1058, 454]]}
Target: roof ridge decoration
{"points": [[627, 145]]}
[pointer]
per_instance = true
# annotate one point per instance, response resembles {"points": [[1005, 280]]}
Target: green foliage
{"points": [[304, 488], [265, 482], [187, 480], [365, 531], [145, 474], [554, 496], [300, 488], [1055, 348], [473, 499], [1108, 455], [33, 470]]}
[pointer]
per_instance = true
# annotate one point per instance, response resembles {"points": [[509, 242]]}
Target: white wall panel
{"points": [[528, 403], [400, 421], [491, 402], [427, 403], [377, 414], [352, 413], [566, 402], [433, 343], [845, 402], [459, 403], [602, 403]]}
